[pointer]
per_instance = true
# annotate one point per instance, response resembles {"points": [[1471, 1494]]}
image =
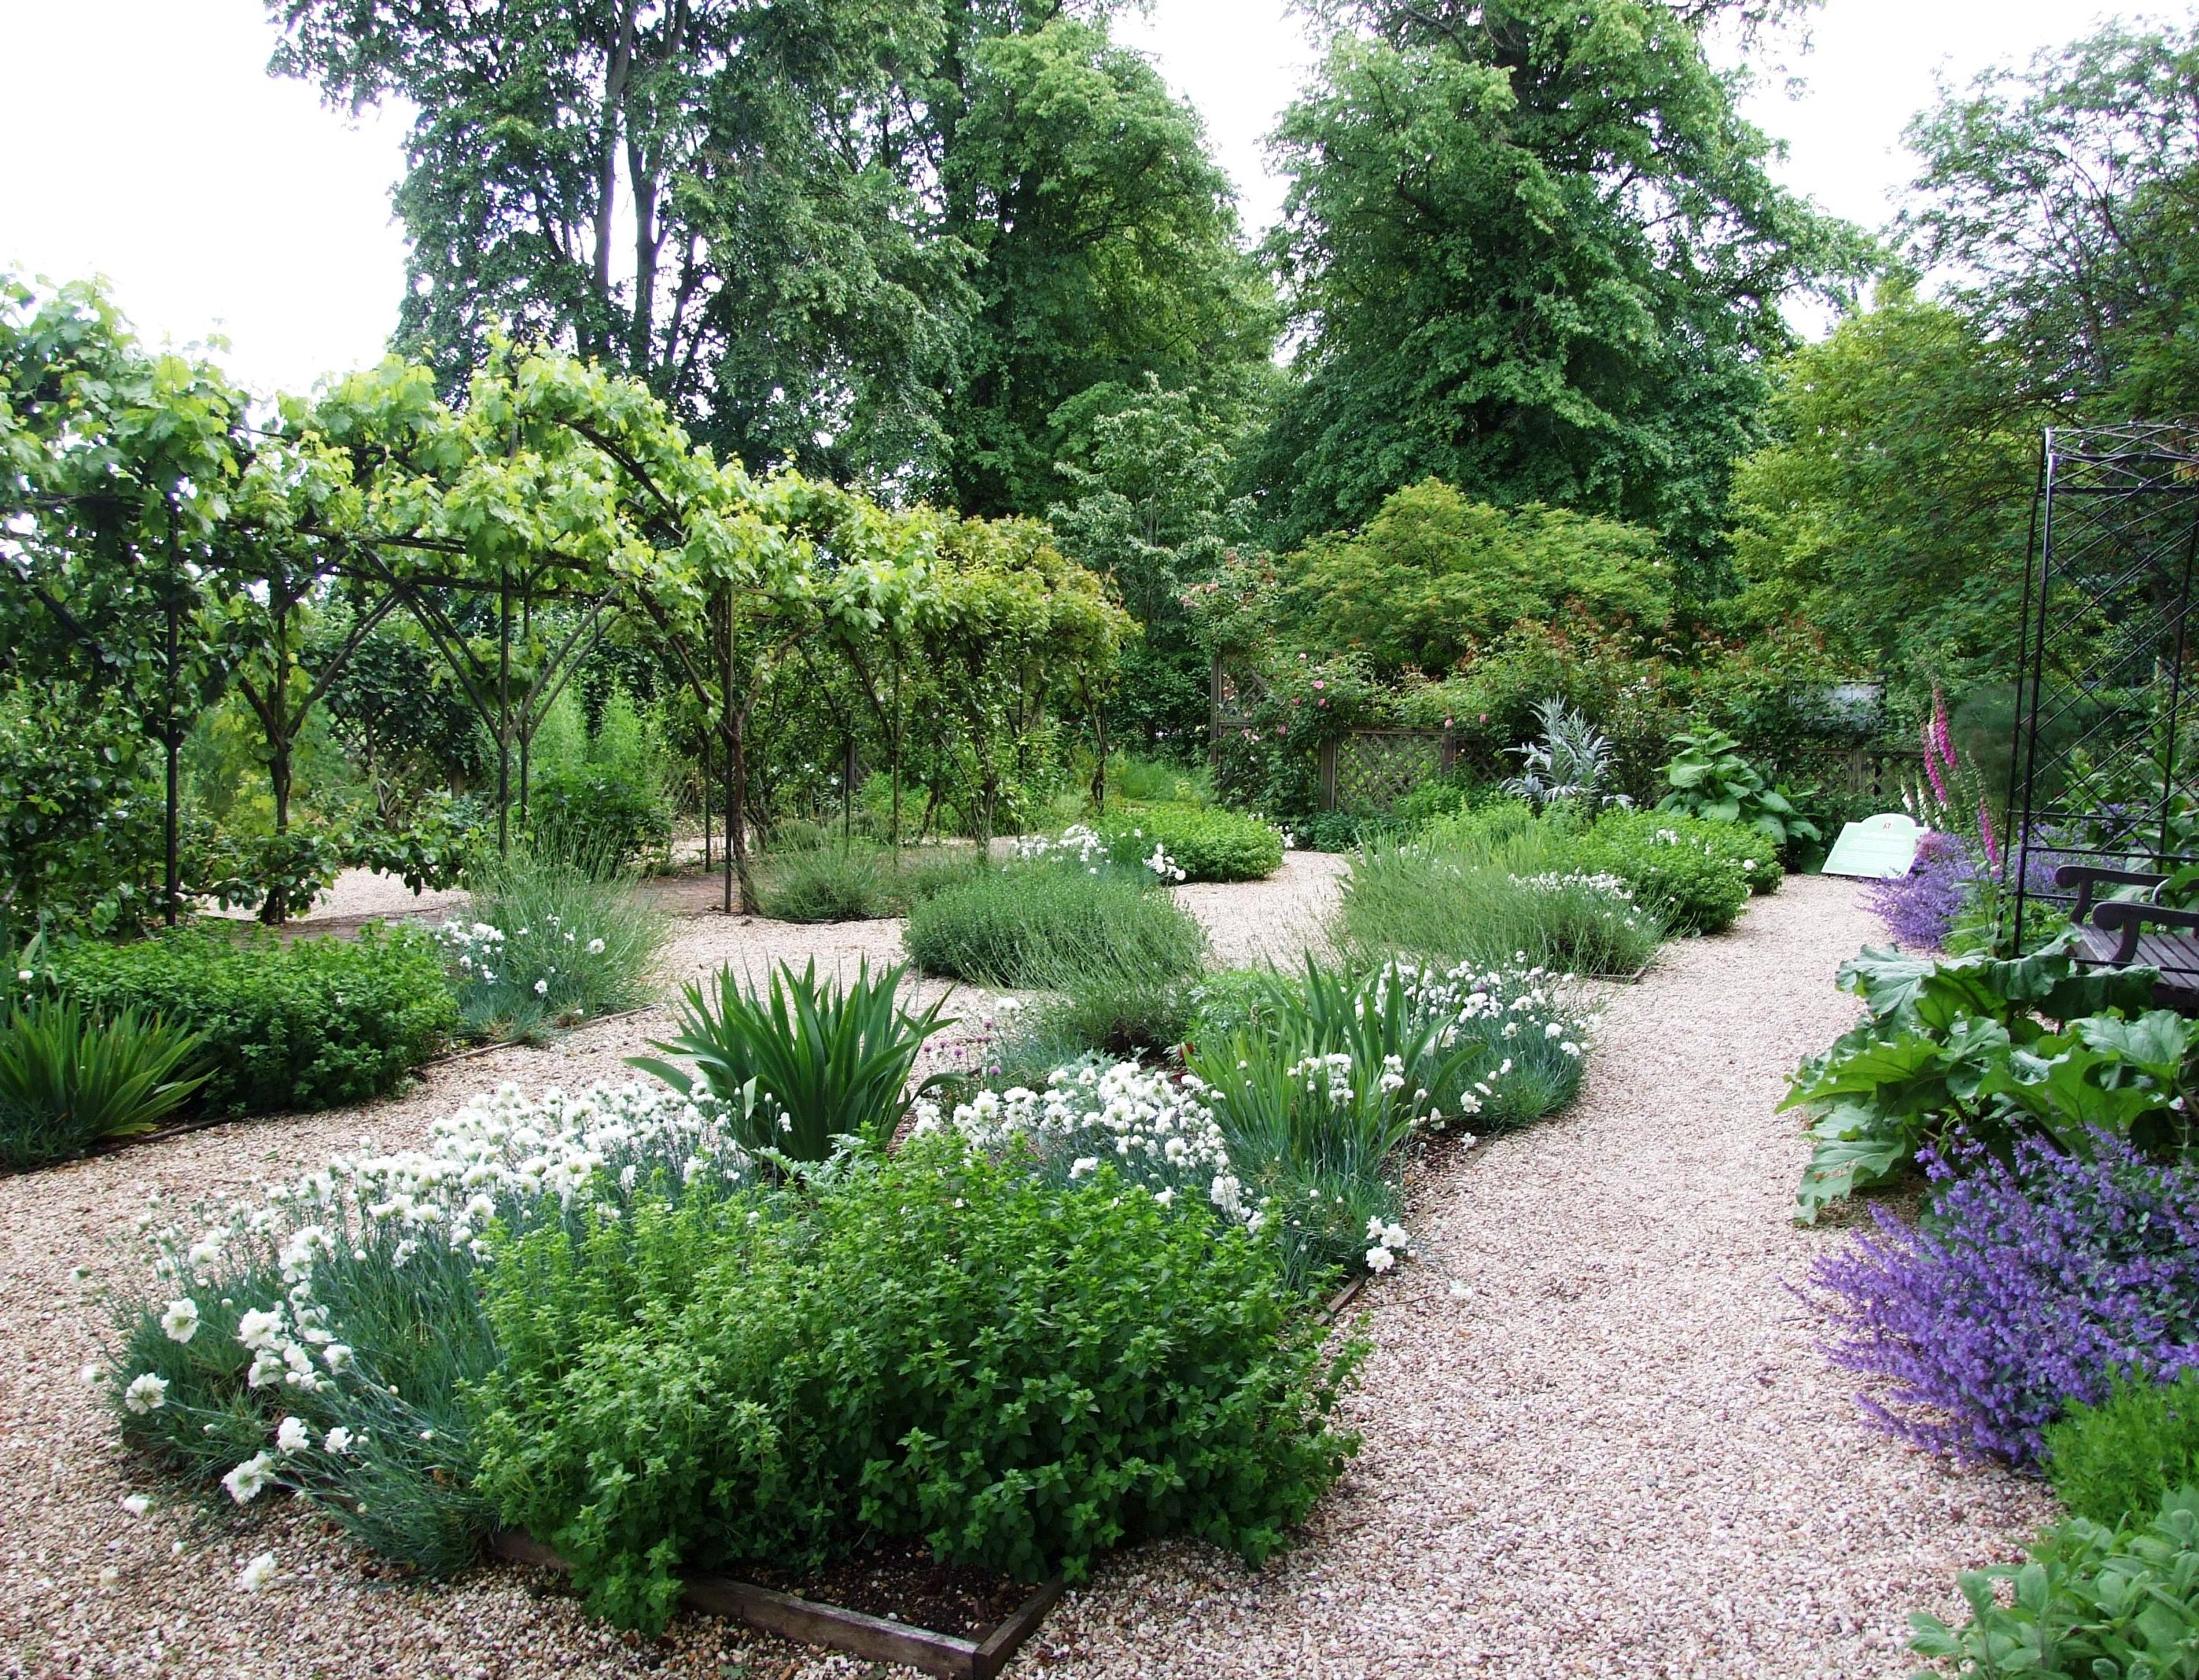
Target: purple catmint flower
{"points": [[1919, 907], [2027, 1283]]}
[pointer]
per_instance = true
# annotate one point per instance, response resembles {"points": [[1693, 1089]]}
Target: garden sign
{"points": [[1877, 848]]}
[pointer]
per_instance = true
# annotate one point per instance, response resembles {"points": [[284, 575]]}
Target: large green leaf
{"points": [[1856, 1147]]}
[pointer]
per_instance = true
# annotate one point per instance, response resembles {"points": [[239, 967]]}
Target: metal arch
{"points": [[2101, 677]]}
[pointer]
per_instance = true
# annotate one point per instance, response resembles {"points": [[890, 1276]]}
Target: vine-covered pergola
{"points": [[176, 535]]}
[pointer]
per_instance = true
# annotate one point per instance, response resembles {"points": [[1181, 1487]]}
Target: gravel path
{"points": [[1620, 1456]]}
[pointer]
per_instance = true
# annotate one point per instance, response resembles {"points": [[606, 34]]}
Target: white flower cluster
{"points": [[1501, 1007], [1385, 1243], [1157, 1128], [1083, 846], [1551, 880], [1076, 844], [502, 1153], [474, 946]]}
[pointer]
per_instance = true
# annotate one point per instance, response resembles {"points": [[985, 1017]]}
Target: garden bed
{"points": [[887, 1607]]}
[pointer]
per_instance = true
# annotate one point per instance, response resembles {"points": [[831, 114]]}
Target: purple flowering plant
{"points": [[2029, 1283]]}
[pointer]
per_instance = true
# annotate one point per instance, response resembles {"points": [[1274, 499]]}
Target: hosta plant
{"points": [[1708, 778]]}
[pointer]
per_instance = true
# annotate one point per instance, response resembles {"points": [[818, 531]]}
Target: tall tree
{"points": [[1532, 249], [2064, 200], [1892, 511], [1105, 245], [710, 194]]}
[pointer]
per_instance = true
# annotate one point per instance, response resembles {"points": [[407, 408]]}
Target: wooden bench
{"points": [[2135, 932]]}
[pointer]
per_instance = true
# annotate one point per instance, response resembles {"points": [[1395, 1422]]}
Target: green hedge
{"points": [[294, 1025], [1206, 842]]}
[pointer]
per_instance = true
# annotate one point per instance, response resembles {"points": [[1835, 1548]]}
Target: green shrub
{"points": [[1206, 842], [599, 816], [806, 1064], [548, 942], [68, 1079], [1489, 888], [1020, 1375], [2093, 1603], [1709, 779], [1035, 926], [1689, 870], [833, 882], [301, 1023], [2118, 1458]]}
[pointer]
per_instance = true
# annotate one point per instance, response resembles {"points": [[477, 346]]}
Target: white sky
{"points": [[220, 200]]}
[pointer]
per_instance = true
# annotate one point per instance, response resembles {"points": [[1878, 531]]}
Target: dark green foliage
{"points": [[1709, 777], [1206, 842], [2118, 1459], [68, 1079], [2093, 1603], [301, 1023], [80, 813], [599, 815], [1021, 1375], [1490, 297], [808, 1064], [1036, 926], [1963, 1044]]}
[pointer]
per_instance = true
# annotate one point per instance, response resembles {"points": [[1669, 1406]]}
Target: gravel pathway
{"points": [[1620, 1456]]}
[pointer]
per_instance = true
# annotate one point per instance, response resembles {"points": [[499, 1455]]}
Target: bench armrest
{"points": [[2086, 876], [2132, 916]]}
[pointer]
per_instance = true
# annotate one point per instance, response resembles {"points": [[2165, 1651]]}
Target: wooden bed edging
{"points": [[809, 1623]]}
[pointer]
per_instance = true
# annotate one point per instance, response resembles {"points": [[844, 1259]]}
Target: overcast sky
{"points": [[153, 148]]}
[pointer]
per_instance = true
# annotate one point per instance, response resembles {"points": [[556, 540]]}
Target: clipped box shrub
{"points": [[299, 1024], [1206, 842], [1693, 873]]}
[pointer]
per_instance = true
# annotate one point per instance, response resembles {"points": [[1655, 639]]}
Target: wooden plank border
{"points": [[806, 1622]]}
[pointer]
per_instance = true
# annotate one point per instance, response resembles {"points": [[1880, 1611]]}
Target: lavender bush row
{"points": [[2026, 1285]]}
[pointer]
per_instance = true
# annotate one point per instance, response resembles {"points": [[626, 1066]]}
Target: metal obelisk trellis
{"points": [[2101, 771]]}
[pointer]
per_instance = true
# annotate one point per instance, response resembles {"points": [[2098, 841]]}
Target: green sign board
{"points": [[1877, 848]]}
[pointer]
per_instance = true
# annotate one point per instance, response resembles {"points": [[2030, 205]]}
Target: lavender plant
{"points": [[2028, 1283]]}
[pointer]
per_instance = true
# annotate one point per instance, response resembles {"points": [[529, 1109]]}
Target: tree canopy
{"points": [[1531, 250], [885, 239]]}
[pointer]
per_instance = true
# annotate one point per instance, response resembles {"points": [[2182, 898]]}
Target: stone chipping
{"points": [[1618, 1453]]}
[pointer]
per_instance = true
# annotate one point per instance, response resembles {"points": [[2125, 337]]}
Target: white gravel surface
{"points": [[1620, 1456]]}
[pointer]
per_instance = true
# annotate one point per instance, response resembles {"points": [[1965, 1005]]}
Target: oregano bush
{"points": [[1021, 1375]]}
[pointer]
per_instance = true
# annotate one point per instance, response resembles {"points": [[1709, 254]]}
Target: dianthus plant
{"points": [[1084, 848], [320, 1339], [2026, 1286], [1155, 1129]]}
